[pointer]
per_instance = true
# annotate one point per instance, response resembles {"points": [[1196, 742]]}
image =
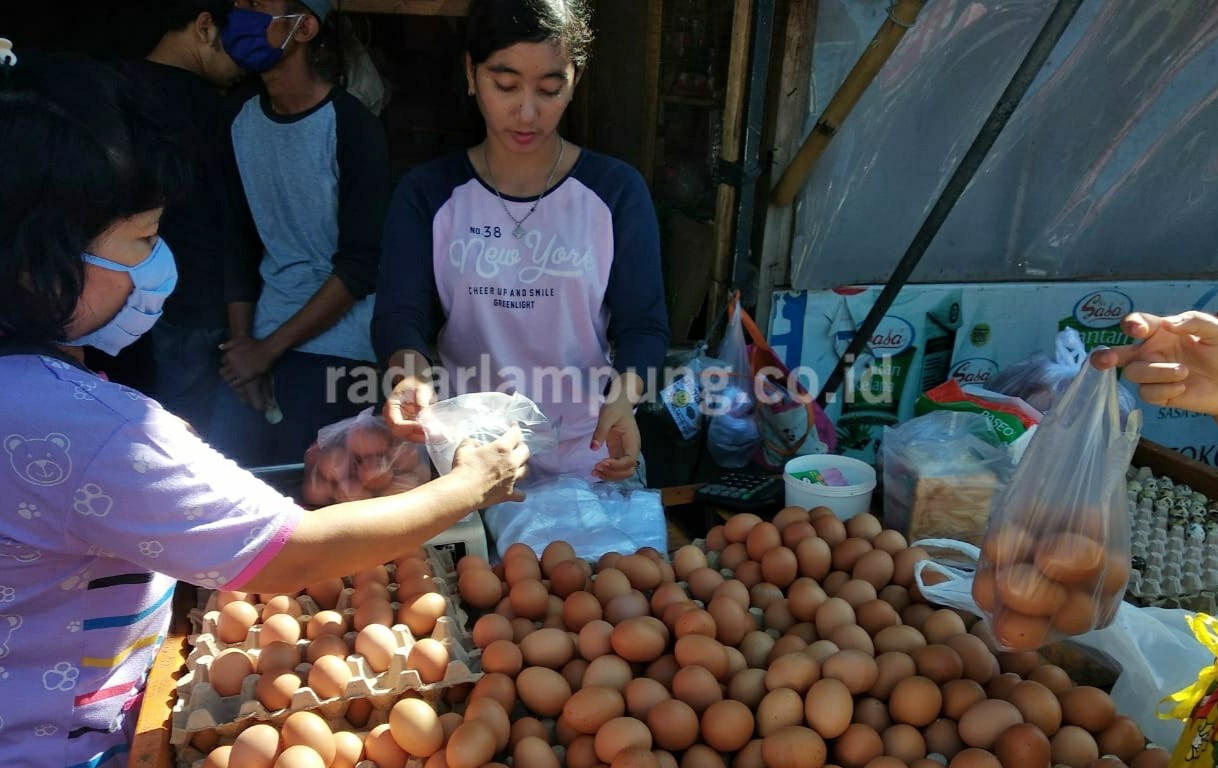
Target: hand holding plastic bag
{"points": [[483, 416], [1056, 558]]}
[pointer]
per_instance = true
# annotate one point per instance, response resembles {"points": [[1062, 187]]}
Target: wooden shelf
{"points": [[408, 7]]}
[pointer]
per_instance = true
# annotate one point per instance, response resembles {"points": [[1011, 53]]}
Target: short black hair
{"points": [[79, 154], [497, 24], [177, 14]]}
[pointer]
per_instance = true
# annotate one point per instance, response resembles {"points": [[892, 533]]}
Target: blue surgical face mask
{"points": [[244, 38], [153, 279]]}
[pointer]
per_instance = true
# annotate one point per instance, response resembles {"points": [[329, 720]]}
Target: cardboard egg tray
{"points": [[200, 708]]}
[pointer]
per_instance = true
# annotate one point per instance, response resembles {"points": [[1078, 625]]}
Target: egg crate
{"points": [[443, 571], [1174, 543], [200, 708], [190, 757]]}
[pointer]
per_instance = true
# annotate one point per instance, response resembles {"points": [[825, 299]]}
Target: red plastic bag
{"points": [[357, 458], [1056, 555]]}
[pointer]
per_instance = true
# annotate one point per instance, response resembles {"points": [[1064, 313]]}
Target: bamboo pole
{"points": [[900, 18]]}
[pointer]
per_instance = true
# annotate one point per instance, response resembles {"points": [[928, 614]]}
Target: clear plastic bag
{"points": [[484, 417], [357, 458], [941, 474], [732, 435], [1040, 380], [594, 518], [1056, 555]]}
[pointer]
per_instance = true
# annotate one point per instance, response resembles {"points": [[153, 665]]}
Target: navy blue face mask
{"points": [[244, 38]]}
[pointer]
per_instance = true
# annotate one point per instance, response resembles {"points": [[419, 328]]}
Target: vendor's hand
{"points": [[411, 395], [1176, 362], [245, 359], [617, 429], [495, 467]]}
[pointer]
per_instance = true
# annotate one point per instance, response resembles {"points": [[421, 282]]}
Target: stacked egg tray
{"points": [[202, 715], [1174, 543]]}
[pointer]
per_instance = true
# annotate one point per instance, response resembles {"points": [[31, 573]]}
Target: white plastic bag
{"points": [[483, 416], [594, 518], [1157, 653], [732, 435]]}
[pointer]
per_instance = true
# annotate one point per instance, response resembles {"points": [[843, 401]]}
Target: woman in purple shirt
{"points": [[106, 499]]}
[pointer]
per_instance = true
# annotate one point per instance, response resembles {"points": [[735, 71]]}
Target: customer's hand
{"points": [[256, 394], [1176, 362], [244, 359], [617, 429], [411, 395], [494, 467]]}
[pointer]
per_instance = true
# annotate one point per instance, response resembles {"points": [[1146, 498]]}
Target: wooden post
{"points": [[790, 108], [651, 88], [900, 18], [729, 152]]}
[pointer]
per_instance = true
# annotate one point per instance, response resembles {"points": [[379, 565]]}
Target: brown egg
{"points": [[1022, 745], [480, 588], [691, 620], [626, 606], [797, 532], [731, 621], [497, 686], [777, 616], [779, 708], [702, 756], [1052, 677], [815, 557], [747, 686], [300, 756], [864, 526], [979, 663], [543, 690], [673, 724], [594, 639], [854, 637], [218, 757], [903, 563], [984, 590], [523, 727], [281, 604], [547, 647], [1151, 757], [738, 527], [875, 567], [255, 747], [228, 670], [416, 727], [310, 730], [1087, 707], [377, 644], [974, 758], [829, 528], [938, 662], [858, 670], [1038, 705], [941, 625], [828, 708], [1077, 614], [1020, 631], [982, 722], [779, 566], [702, 583], [276, 689], [857, 746], [429, 658], [959, 695], [1122, 738], [1074, 747], [529, 599], [377, 610], [833, 613], [733, 556], [488, 711], [369, 590], [1070, 559], [893, 667], [857, 592], [329, 676], [890, 541], [875, 615], [234, 621], [821, 650], [902, 638], [686, 559], [943, 738], [1024, 589], [348, 750], [915, 701], [873, 713], [591, 707], [619, 734], [697, 687], [727, 725], [793, 746], [420, 612], [642, 694], [798, 671], [916, 614], [1009, 544], [849, 552], [903, 742], [472, 745], [1001, 685], [608, 671], [490, 628], [640, 639]]}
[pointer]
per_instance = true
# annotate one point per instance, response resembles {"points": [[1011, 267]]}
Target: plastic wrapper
{"points": [[594, 518], [941, 473], [357, 458], [732, 436], [1040, 381], [483, 417], [1056, 556], [1196, 704]]}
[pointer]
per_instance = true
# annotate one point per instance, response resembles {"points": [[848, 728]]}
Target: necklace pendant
{"points": [[518, 232]]}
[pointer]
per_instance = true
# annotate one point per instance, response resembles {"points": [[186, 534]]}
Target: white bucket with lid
{"points": [[846, 501]]}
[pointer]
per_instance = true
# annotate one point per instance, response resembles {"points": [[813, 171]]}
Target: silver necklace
{"points": [[518, 232]]}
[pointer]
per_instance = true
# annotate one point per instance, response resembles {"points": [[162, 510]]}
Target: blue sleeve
{"points": [[406, 313], [638, 319], [363, 190]]}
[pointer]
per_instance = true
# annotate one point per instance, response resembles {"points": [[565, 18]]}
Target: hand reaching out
{"points": [[411, 395], [1174, 364], [495, 467]]}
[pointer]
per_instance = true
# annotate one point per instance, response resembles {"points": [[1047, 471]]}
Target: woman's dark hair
{"points": [[176, 14], [77, 154], [497, 24]]}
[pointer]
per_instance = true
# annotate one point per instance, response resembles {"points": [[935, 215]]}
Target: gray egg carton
{"points": [[1174, 543]]}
